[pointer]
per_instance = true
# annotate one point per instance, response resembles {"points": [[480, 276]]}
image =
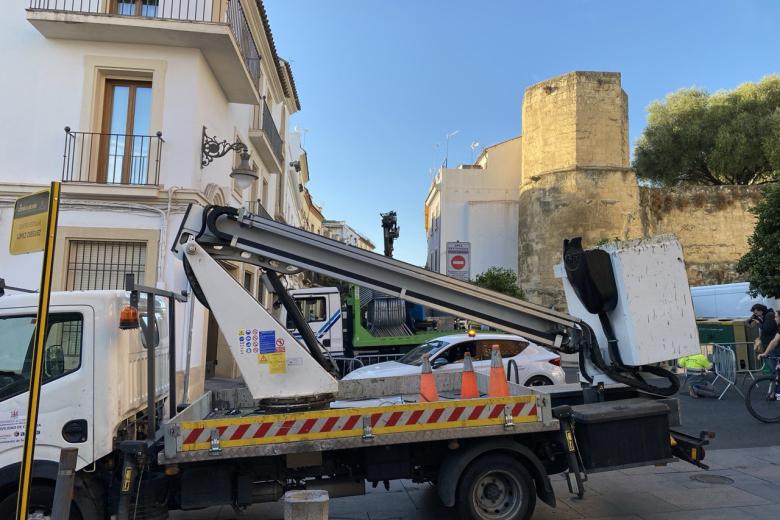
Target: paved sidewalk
{"points": [[741, 484]]}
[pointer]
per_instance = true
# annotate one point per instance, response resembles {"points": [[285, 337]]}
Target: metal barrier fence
{"points": [[724, 361]]}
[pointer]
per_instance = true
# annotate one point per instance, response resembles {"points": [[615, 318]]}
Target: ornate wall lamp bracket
{"points": [[212, 149]]}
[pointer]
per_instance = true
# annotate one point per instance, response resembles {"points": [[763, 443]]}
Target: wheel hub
{"points": [[497, 496]]}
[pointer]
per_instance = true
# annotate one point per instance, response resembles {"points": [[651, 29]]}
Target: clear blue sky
{"points": [[382, 82]]}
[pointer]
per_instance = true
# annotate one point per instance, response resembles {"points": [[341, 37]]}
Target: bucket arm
{"points": [[232, 233]]}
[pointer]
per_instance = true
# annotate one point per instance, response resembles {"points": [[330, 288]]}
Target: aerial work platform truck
{"points": [[291, 424]]}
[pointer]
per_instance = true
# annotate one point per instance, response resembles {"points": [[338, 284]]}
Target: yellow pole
{"points": [[25, 471]]}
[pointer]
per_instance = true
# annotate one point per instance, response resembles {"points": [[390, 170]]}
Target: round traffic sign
{"points": [[458, 262]]}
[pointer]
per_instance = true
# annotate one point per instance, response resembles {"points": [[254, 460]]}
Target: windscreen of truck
{"points": [[414, 356], [61, 355]]}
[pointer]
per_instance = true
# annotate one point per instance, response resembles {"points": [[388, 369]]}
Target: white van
{"points": [[731, 300]]}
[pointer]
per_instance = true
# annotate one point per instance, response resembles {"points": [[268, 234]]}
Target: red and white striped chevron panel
{"points": [[339, 423]]}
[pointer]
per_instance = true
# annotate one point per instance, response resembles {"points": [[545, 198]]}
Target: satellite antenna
{"points": [[474, 145]]}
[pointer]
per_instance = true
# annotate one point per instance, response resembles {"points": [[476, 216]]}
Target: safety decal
{"points": [[276, 363], [267, 341], [248, 341], [339, 423]]}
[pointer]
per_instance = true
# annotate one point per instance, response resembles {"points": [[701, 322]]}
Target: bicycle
{"points": [[763, 397]]}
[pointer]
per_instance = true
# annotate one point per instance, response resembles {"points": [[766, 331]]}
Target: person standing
{"points": [[772, 350], [767, 326]]}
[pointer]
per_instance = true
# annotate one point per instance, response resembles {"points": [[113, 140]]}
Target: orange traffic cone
{"points": [[497, 387], [428, 391], [468, 383]]}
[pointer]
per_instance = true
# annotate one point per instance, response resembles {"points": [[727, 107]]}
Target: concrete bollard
{"points": [[309, 504]]}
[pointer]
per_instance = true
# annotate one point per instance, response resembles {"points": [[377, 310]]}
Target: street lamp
{"points": [[243, 174]]}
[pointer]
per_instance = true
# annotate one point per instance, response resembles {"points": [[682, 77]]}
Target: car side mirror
{"points": [[439, 362]]}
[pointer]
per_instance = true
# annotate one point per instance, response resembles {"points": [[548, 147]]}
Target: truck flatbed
{"points": [[202, 433]]}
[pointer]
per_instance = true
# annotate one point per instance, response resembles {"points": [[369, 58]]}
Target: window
{"points": [[61, 355], [313, 310], [99, 264], [456, 353], [508, 348], [249, 281], [135, 7], [124, 151]]}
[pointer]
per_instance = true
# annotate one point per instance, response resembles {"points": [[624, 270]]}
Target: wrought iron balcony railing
{"points": [[262, 120], [228, 12], [112, 158]]}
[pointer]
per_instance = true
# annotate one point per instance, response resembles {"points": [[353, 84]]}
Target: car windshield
{"points": [[414, 356]]}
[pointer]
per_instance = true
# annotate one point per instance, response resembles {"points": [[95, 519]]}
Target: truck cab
{"points": [[93, 391], [321, 307]]}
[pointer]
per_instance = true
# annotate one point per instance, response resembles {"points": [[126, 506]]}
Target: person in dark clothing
{"points": [[767, 325]]}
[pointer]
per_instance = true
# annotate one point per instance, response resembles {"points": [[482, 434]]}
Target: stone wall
{"points": [[576, 182], [712, 223], [595, 204], [575, 120]]}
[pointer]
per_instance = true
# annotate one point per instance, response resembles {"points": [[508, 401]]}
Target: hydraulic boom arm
{"points": [[227, 232]]}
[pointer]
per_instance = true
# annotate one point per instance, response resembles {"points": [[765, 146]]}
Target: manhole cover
{"points": [[712, 479]]}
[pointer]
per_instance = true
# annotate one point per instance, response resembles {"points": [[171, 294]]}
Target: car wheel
{"points": [[538, 381]]}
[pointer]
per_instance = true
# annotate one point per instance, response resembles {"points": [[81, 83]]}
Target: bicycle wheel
{"points": [[761, 399]]}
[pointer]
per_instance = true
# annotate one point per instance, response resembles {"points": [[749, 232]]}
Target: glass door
{"points": [[126, 140], [135, 7]]}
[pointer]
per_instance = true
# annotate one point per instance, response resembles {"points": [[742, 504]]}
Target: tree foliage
{"points": [[729, 137], [761, 263], [500, 279]]}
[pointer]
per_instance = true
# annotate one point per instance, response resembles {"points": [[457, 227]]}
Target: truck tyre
{"points": [[41, 498], [496, 487]]}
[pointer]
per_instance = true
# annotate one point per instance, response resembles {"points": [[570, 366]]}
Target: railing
{"points": [[111, 158], [262, 120], [228, 12]]}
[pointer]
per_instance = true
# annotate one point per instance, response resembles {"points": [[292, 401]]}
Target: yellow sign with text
{"points": [[28, 230]]}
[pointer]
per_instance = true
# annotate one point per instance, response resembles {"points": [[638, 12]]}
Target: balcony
{"points": [[266, 139], [115, 159], [218, 28]]}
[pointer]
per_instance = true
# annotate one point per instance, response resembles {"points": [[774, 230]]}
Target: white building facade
{"points": [[116, 98], [343, 232], [478, 205]]}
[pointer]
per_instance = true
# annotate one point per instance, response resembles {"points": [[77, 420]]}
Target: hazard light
{"points": [[472, 333], [556, 361], [128, 318]]}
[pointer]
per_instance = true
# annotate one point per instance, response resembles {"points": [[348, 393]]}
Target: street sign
{"points": [[29, 209], [458, 260], [28, 230]]}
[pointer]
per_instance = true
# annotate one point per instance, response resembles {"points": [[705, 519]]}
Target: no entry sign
{"points": [[458, 264]]}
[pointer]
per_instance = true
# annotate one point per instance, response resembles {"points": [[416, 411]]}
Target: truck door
{"points": [[66, 411], [323, 317]]}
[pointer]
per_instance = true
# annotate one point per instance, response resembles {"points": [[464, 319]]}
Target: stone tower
{"points": [[576, 179]]}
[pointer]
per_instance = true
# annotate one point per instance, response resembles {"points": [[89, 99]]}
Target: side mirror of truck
{"points": [[439, 362]]}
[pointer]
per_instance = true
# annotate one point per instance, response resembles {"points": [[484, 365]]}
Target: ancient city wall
{"points": [[712, 223]]}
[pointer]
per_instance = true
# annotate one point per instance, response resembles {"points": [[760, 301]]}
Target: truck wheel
{"points": [[40, 502], [496, 487]]}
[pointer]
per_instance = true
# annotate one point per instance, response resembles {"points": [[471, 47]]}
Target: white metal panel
{"points": [[286, 372], [654, 319]]}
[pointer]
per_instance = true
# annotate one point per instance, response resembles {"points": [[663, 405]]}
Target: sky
{"points": [[382, 82]]}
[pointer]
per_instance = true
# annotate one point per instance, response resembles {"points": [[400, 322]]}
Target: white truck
{"points": [[291, 425]]}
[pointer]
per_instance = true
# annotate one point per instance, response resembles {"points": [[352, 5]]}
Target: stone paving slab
{"points": [[752, 492]]}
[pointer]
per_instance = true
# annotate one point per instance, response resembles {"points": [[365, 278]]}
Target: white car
{"points": [[535, 365]]}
